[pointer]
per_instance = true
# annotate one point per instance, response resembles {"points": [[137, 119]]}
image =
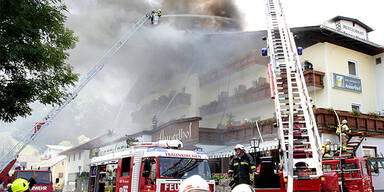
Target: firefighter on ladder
{"points": [[327, 149], [344, 131], [240, 167]]}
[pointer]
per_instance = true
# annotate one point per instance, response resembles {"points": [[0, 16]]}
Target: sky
{"points": [[99, 23]]}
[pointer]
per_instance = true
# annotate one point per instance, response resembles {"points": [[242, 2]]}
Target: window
{"points": [[61, 174], [369, 151], [62, 163], [69, 158], [125, 167], [80, 155], [352, 67], [356, 107], [378, 60], [74, 157]]}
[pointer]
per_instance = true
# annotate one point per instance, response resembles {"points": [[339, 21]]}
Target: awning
{"points": [[222, 151]]}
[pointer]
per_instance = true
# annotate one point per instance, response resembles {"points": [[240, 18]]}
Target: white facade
{"points": [[378, 62], [53, 151], [77, 162]]}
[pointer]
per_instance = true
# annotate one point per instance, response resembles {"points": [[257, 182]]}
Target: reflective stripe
{"points": [[244, 163], [236, 164], [253, 167], [230, 171]]}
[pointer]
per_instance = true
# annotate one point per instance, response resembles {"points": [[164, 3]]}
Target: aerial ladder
{"points": [[8, 160], [300, 142]]}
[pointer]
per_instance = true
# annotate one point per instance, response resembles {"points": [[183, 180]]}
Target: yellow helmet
{"points": [[20, 185]]}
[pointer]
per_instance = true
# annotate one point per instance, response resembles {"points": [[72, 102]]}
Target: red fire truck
{"points": [[148, 166], [43, 179], [353, 174], [269, 179]]}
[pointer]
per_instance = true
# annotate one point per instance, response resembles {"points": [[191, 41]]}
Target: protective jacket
{"points": [[240, 168]]}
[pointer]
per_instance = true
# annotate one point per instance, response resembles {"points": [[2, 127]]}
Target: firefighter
{"points": [[327, 149], [194, 183], [242, 188], [155, 15], [22, 185], [240, 167], [345, 131]]}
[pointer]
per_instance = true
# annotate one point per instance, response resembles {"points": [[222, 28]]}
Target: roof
{"points": [[99, 141], [366, 27], [52, 161], [308, 36], [183, 120]]}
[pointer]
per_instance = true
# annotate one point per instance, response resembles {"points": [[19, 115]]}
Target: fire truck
{"points": [[148, 166], [299, 168], [43, 179], [353, 174]]}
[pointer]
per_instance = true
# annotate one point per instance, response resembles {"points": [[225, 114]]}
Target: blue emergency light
{"points": [[299, 50], [264, 51]]}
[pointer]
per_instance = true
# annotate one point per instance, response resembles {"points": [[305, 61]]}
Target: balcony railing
{"points": [[242, 97], [234, 133], [314, 78], [157, 105], [371, 124]]}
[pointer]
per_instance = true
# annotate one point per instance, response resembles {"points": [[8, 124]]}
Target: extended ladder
{"points": [[31, 135], [298, 133]]}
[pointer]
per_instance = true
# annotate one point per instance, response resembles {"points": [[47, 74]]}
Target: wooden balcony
{"points": [[242, 97], [327, 121], [314, 79], [159, 104]]}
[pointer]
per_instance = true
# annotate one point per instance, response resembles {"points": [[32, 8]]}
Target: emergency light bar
{"points": [[174, 144]]}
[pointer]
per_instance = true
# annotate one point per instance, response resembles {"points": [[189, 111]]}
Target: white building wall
{"points": [[379, 79], [74, 165]]}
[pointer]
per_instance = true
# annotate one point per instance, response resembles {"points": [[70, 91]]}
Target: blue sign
{"points": [[346, 82]]}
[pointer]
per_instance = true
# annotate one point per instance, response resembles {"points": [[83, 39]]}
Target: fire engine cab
{"points": [[148, 166], [43, 179]]}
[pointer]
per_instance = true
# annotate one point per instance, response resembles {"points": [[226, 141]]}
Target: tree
{"points": [[34, 46], [82, 139], [65, 143]]}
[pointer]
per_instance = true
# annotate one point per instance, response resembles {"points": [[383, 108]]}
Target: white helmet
{"points": [[242, 188], [344, 121], [194, 183], [239, 146]]}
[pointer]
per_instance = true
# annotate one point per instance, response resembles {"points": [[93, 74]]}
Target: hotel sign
{"points": [[346, 83], [186, 130], [354, 30]]}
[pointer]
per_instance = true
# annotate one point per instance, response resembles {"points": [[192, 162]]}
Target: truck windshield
{"points": [[42, 177], [181, 168]]}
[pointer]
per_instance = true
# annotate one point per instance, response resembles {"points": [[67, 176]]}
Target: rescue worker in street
{"points": [[240, 167], [327, 149], [345, 131]]}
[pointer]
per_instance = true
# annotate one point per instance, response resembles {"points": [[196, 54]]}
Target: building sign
{"points": [[353, 29], [346, 82], [186, 130]]}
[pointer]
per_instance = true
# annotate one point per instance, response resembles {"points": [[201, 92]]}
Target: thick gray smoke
{"points": [[154, 53]]}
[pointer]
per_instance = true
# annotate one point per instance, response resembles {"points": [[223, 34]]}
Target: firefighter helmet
{"points": [[239, 146], [242, 188], [194, 183], [20, 185], [344, 121], [328, 141]]}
